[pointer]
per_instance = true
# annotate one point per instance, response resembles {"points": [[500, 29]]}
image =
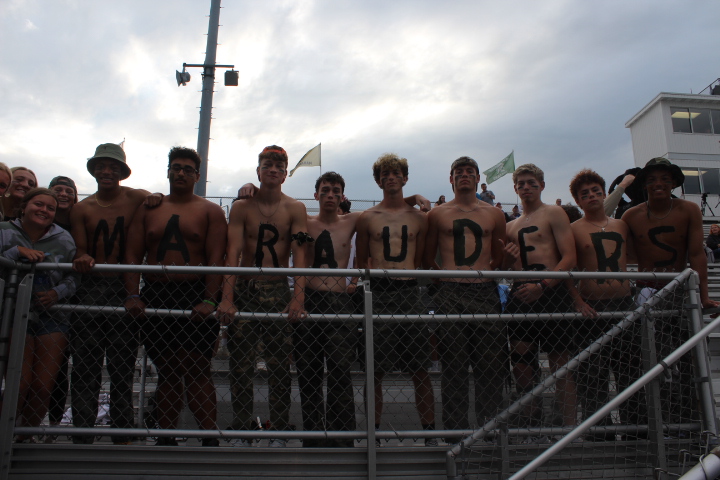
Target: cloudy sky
{"points": [[555, 81]]}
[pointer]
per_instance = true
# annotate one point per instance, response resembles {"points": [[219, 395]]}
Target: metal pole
{"points": [[369, 381], [614, 403], [203, 143], [707, 467], [14, 372], [701, 360]]}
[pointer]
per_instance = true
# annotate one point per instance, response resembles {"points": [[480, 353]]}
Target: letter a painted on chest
{"points": [[324, 251], [172, 232]]}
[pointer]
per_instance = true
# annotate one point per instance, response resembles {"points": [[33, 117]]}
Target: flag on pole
{"points": [[506, 165], [310, 159]]}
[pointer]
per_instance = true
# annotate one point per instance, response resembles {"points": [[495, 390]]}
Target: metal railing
{"points": [[17, 302]]}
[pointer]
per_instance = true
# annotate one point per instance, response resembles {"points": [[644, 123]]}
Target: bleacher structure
{"points": [[492, 449]]}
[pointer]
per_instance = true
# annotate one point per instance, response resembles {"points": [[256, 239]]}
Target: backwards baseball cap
{"points": [[660, 163], [66, 181], [109, 151], [463, 161]]}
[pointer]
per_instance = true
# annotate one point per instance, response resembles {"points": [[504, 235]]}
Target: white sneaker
{"points": [[277, 443], [240, 442]]}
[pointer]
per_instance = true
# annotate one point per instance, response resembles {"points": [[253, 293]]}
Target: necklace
{"points": [[607, 220], [655, 216], [263, 214], [100, 204], [468, 211]]}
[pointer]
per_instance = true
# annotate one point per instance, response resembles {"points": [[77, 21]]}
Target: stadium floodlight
{"points": [[182, 77]]}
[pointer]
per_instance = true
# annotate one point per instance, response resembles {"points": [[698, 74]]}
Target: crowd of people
{"points": [[122, 225]]}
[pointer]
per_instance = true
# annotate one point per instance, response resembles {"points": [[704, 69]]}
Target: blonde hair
{"points": [[530, 169], [389, 161]]}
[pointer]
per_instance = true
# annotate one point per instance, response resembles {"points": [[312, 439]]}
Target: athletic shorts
{"points": [[160, 334], [399, 346], [549, 335]]}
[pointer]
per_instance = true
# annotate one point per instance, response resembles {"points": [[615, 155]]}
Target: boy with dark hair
{"points": [[469, 235], [601, 245], [185, 230], [263, 230], [667, 233]]}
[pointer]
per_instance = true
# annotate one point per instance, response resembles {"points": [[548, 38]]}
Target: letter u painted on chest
{"points": [[403, 246]]}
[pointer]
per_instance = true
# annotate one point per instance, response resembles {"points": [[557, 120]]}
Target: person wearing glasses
{"points": [[184, 230], [99, 227]]}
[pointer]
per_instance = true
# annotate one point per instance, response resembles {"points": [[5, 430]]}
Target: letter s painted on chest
{"points": [[652, 235]]}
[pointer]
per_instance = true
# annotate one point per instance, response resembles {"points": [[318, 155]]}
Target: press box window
{"points": [[680, 120]]}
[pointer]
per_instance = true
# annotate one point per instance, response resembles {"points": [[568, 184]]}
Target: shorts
{"points": [[45, 325], [162, 333], [399, 346], [326, 302], [549, 335]]}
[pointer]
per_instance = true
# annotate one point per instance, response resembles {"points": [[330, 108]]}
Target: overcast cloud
{"points": [[431, 81]]}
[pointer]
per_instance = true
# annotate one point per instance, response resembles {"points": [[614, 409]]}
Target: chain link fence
{"points": [[415, 359]]}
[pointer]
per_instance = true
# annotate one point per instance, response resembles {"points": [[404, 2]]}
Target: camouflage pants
{"points": [[480, 345], [243, 338], [94, 337], [334, 343]]}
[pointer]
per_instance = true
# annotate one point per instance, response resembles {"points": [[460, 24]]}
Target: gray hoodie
{"points": [[59, 247]]}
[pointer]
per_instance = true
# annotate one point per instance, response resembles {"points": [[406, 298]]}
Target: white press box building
{"points": [[685, 129]]}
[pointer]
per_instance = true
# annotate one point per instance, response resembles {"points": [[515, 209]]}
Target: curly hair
{"points": [[389, 161], [584, 177], [184, 152]]}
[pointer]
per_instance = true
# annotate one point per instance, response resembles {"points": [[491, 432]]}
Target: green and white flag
{"points": [[310, 159], [506, 165]]}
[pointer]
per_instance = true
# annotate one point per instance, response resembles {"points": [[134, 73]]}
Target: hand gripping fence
{"points": [[421, 350]]}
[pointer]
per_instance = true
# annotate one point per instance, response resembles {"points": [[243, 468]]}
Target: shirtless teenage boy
{"points": [[546, 244], [335, 341], [667, 234], [470, 235], [393, 234], [99, 226], [601, 245], [263, 230], [185, 230]]}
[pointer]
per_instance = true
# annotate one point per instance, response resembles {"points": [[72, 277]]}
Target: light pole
{"points": [[231, 79]]}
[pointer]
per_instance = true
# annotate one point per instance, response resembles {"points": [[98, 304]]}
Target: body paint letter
{"points": [[607, 263], [403, 245], [652, 235], [324, 251], [261, 242], [524, 249], [109, 240], [459, 227], [172, 231]]}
